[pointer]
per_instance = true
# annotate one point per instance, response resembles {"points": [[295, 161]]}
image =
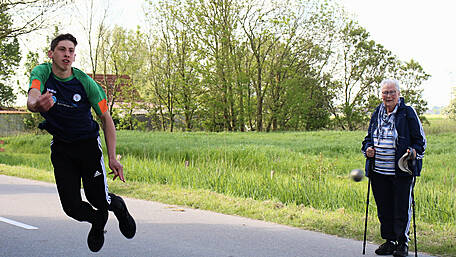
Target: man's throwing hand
{"points": [[44, 102]]}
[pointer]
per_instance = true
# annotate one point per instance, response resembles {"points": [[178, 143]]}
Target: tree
{"points": [[363, 64], [154, 80], [95, 29], [29, 15], [9, 57], [411, 75], [215, 25], [186, 76], [122, 56], [450, 110], [257, 22], [163, 64], [306, 105], [242, 61], [298, 85]]}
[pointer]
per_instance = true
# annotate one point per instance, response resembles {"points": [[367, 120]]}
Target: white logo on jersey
{"points": [[97, 173], [77, 97]]}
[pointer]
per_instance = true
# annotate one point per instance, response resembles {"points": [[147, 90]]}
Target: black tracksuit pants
{"points": [[393, 196], [73, 162]]}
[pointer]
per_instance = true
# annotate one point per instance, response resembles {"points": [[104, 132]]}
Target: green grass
{"points": [[439, 124], [298, 179]]}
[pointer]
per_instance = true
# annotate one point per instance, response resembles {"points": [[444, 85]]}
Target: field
{"points": [[299, 179]]}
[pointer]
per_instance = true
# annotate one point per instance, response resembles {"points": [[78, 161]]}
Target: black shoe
{"points": [[95, 239], [127, 224], [386, 248], [401, 250]]}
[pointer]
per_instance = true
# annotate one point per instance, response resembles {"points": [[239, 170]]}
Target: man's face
{"points": [[63, 55], [390, 96]]}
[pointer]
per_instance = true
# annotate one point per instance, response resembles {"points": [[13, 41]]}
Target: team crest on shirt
{"points": [[76, 97]]}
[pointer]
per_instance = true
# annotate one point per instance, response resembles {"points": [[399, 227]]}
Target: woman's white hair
{"points": [[390, 81]]}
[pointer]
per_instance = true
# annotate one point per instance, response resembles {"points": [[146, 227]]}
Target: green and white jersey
{"points": [[70, 119]]}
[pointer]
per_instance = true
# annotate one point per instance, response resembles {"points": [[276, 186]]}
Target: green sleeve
{"points": [[95, 93], [39, 76]]}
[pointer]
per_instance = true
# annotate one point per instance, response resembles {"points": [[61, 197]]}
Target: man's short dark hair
{"points": [[62, 37]]}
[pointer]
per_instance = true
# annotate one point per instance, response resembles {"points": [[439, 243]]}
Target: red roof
{"points": [[108, 82], [109, 78]]}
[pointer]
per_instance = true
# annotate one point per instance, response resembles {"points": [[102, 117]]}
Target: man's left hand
{"points": [[117, 169]]}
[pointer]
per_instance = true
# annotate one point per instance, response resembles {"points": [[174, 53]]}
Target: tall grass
{"points": [[439, 124], [306, 168]]}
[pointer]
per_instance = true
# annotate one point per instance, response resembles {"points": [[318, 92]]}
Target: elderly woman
{"points": [[394, 130]]}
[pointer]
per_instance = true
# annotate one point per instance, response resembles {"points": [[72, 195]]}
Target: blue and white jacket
{"points": [[410, 134]]}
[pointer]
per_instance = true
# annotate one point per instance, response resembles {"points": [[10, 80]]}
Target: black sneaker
{"points": [[401, 250], [95, 239], [386, 248], [127, 224]]}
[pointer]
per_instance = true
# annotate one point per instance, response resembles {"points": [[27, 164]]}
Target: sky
{"points": [[422, 30]]}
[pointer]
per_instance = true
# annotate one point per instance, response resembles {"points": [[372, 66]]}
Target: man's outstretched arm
{"points": [[110, 137]]}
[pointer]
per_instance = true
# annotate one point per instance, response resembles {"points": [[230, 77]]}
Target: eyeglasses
{"points": [[392, 92]]}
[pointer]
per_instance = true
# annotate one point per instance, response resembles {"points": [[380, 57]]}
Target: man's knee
{"points": [[79, 211], [100, 202]]}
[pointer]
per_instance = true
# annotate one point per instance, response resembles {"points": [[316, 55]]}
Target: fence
{"points": [[12, 122]]}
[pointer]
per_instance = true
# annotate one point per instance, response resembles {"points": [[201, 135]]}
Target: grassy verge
{"points": [[337, 222], [435, 239]]}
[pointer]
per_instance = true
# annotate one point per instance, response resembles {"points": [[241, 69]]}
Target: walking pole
{"points": [[403, 165], [367, 213], [371, 169], [414, 223]]}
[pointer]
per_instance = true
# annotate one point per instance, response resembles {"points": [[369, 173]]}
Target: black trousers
{"points": [[393, 196], [73, 162]]}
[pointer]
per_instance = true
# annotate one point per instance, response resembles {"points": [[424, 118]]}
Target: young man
{"points": [[64, 96]]}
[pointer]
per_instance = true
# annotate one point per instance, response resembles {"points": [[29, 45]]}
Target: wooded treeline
{"points": [[259, 65], [238, 65]]}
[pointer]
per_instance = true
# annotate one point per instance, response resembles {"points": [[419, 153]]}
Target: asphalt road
{"points": [[162, 231]]}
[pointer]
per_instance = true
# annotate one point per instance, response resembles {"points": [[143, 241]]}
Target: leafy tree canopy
{"points": [[9, 59]]}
